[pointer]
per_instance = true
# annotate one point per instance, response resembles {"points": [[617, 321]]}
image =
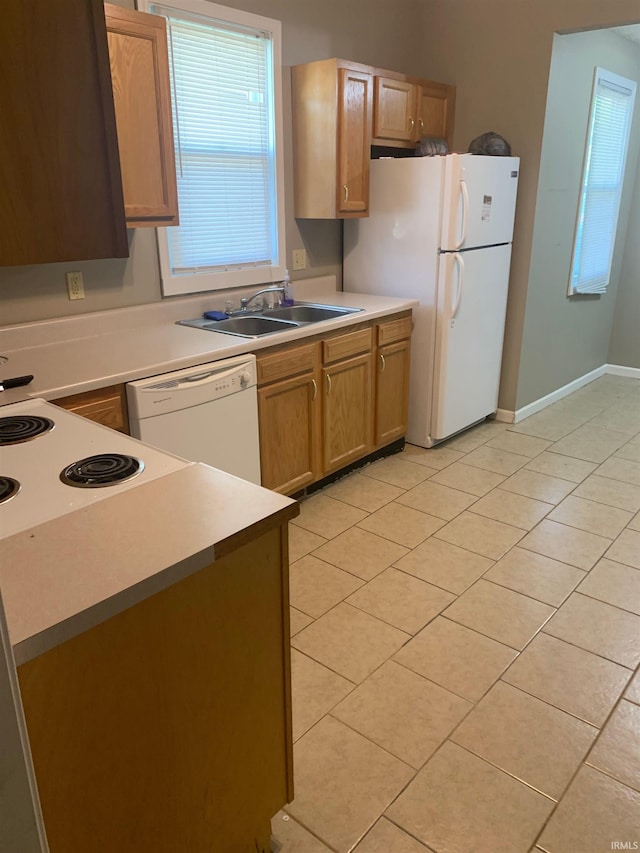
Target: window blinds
{"points": [[602, 180], [223, 115]]}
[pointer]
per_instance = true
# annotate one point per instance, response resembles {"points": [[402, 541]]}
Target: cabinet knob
{"points": [[411, 123], [421, 126]]}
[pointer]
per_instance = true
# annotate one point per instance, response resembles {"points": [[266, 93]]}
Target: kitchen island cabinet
{"points": [[153, 664]]}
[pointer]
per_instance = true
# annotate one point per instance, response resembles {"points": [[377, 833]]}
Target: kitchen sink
{"points": [[254, 326], [283, 319], [310, 313]]}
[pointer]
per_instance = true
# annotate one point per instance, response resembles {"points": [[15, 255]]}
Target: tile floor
{"points": [[465, 630]]}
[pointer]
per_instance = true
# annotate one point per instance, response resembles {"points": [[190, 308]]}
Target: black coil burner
{"points": [[9, 488], [105, 469], [19, 428]]}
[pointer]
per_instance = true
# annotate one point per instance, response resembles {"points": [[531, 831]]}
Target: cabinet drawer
{"points": [[345, 346], [106, 406], [288, 362], [394, 330]]}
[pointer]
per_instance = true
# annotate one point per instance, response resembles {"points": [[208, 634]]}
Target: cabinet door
{"points": [[61, 192], [354, 141], [347, 416], [392, 392], [107, 406], [140, 76], [436, 105], [394, 109], [288, 415]]}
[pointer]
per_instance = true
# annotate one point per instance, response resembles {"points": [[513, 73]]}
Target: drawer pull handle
{"points": [[383, 363], [315, 389], [328, 384], [346, 193]]}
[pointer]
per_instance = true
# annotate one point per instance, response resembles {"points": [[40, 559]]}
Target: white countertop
{"points": [[84, 353]]}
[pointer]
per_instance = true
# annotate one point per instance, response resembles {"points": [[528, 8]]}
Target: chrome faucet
{"points": [[244, 302]]}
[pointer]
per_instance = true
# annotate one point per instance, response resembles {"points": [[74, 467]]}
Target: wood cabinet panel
{"points": [[394, 330], [345, 345], [107, 406], [60, 188], [392, 392], [289, 435], [286, 362], [354, 141], [436, 108], [394, 110], [141, 90], [168, 727], [347, 421]]}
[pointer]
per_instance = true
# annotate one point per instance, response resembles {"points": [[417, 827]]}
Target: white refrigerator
{"points": [[440, 232]]}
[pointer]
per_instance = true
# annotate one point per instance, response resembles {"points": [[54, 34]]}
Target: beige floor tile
{"points": [[614, 583], [433, 499], [463, 661], [492, 459], [474, 437], [314, 691], [444, 565], [541, 487], [634, 524], [551, 423], [500, 613], [617, 751], [466, 478], [532, 574], [316, 586], [290, 837], [626, 549], [401, 600], [593, 517], [633, 691], [302, 542], [610, 492], [621, 469], [567, 544], [526, 738], [398, 471], [597, 627], [363, 492], [523, 445], [327, 517], [298, 620], [564, 467], [362, 553], [402, 524], [629, 451], [481, 535], [349, 641], [343, 783], [568, 677], [590, 443], [433, 457], [460, 803], [595, 811], [511, 508], [402, 712], [625, 417], [386, 837]]}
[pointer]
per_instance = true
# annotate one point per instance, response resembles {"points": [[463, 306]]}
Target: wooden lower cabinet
{"points": [[288, 415], [347, 421], [106, 406], [392, 392], [168, 727]]}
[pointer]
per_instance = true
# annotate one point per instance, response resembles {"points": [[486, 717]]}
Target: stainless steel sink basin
{"points": [[311, 313], [250, 327], [255, 325]]}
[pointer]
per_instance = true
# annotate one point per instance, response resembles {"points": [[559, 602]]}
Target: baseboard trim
{"points": [[620, 370], [504, 416]]}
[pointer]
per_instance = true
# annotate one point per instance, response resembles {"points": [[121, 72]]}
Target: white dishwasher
{"points": [[207, 413]]}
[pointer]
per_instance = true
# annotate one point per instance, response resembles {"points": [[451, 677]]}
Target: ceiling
{"points": [[632, 32]]}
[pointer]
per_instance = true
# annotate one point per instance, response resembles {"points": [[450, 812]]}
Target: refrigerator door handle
{"points": [[464, 192], [460, 262]]}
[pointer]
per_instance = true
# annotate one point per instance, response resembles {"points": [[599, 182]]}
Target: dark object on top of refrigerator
{"points": [[431, 146], [490, 144]]}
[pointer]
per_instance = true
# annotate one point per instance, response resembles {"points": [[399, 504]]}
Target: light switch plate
{"points": [[299, 259]]}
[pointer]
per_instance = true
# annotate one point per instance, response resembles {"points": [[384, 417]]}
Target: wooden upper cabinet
{"points": [[394, 111], [332, 103], [436, 108], [354, 141], [60, 184], [142, 97]]}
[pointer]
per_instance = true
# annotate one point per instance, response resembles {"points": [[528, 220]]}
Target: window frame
{"points": [[183, 284], [582, 288]]}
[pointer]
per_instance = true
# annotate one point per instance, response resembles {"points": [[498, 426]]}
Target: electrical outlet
{"points": [[299, 259], [75, 285]]}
